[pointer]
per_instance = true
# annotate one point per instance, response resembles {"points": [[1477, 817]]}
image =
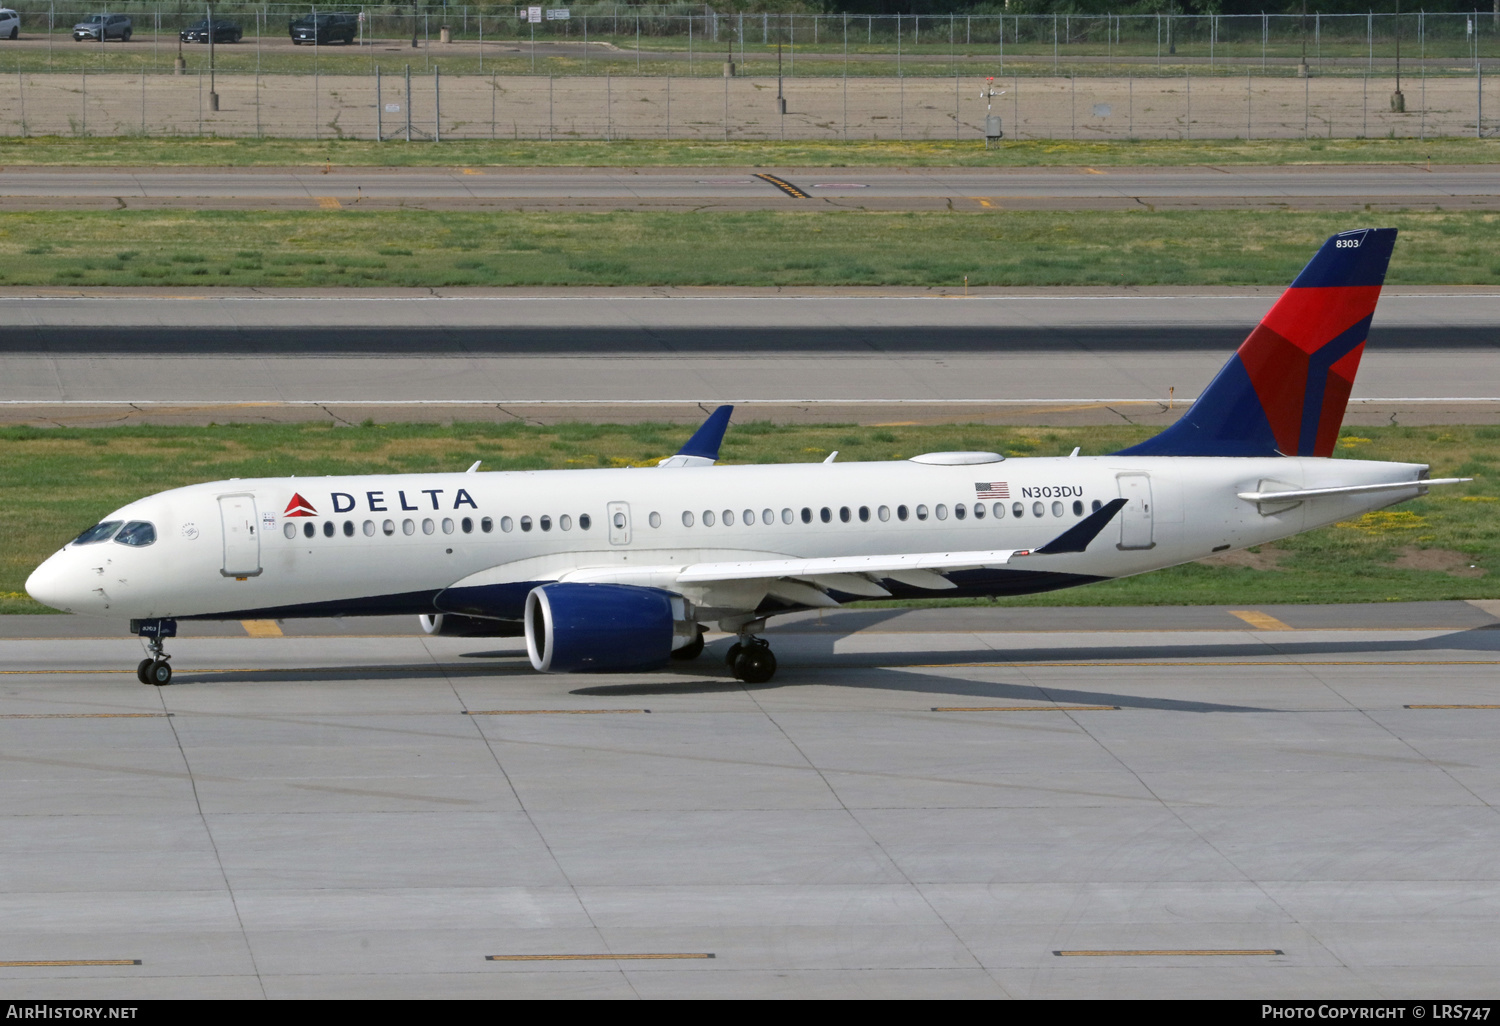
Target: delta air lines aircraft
{"points": [[620, 570]]}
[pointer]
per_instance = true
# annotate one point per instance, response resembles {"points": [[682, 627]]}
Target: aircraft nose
{"points": [[52, 584]]}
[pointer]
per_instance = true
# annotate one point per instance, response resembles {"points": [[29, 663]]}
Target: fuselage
{"points": [[424, 543]]}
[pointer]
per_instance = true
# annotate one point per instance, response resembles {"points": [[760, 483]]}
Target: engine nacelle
{"points": [[451, 625], [605, 628]]}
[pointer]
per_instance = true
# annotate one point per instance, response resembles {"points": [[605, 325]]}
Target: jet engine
{"points": [[451, 625], [605, 628]]}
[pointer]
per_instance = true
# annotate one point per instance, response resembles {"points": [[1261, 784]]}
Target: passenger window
{"points": [[1078, 507], [525, 523], [98, 533], [884, 513], [729, 518], [864, 514], [620, 520], [1017, 510], [921, 512], [844, 514], [978, 511], [942, 511], [1097, 505], [486, 525], [289, 529], [806, 515], [999, 510], [748, 518], [900, 512], [654, 519], [687, 518], [348, 529], [565, 522], [369, 528], [768, 516], [584, 521], [506, 523], [428, 526], [447, 525], [1037, 509], [328, 529], [137, 534], [467, 523], [545, 523], [708, 518], [786, 516], [825, 515], [959, 512], [389, 527], [408, 527], [1057, 509], [309, 529]]}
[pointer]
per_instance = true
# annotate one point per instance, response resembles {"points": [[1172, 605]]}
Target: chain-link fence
{"points": [[687, 40], [420, 106]]}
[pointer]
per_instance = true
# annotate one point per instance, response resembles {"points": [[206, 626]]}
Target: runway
{"points": [[477, 188], [1060, 356], [968, 802]]}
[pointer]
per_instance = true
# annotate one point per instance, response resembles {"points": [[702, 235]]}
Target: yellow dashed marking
{"points": [[1095, 171], [1023, 708], [1260, 621], [983, 202], [548, 712], [330, 203], [261, 628], [471, 171], [71, 961], [598, 958], [1125, 952]]}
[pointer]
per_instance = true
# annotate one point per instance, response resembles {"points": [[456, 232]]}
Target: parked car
{"points": [[223, 31], [10, 23], [103, 26], [324, 28]]}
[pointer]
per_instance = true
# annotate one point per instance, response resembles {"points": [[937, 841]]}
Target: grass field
{"points": [[55, 482], [131, 151], [420, 248]]}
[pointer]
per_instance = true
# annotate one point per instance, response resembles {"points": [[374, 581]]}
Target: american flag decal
{"points": [[992, 489]]}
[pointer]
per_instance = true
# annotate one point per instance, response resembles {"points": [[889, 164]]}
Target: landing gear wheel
{"points": [[733, 654], [141, 670], [755, 665], [159, 673], [692, 650]]}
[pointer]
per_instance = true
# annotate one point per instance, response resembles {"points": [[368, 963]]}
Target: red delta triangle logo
{"points": [[299, 507]]}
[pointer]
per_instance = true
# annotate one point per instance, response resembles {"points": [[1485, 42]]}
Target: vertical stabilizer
{"points": [[1284, 391]]}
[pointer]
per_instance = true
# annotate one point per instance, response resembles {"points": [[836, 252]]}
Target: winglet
{"points": [[1077, 537], [703, 448]]}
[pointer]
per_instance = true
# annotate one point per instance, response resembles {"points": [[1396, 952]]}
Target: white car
{"points": [[10, 23]]}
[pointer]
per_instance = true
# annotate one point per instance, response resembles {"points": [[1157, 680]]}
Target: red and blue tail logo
{"points": [[1284, 391]]}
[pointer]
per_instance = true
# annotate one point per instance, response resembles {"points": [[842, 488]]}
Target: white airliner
{"points": [[619, 570]]}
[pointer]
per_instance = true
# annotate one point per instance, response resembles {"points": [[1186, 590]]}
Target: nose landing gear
{"points": [[154, 669]]}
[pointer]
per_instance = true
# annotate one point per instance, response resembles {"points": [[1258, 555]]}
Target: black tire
{"points": [[126, 37], [756, 665], [160, 673], [296, 42], [692, 650], [733, 654], [140, 671], [15, 33]]}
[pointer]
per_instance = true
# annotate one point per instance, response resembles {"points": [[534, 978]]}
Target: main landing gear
{"points": [[154, 669], [750, 659]]}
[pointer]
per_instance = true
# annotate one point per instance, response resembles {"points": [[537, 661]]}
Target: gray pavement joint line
{"points": [[213, 842], [864, 829], [1441, 767], [531, 820], [1172, 810]]}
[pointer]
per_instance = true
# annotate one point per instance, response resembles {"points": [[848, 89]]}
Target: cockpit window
{"points": [[137, 533], [98, 533]]}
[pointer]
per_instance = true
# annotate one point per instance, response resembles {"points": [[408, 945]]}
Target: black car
{"points": [[223, 32], [324, 28]]}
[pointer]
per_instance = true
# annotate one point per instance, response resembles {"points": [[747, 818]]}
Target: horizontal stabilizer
{"points": [[1077, 537], [1315, 493]]}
